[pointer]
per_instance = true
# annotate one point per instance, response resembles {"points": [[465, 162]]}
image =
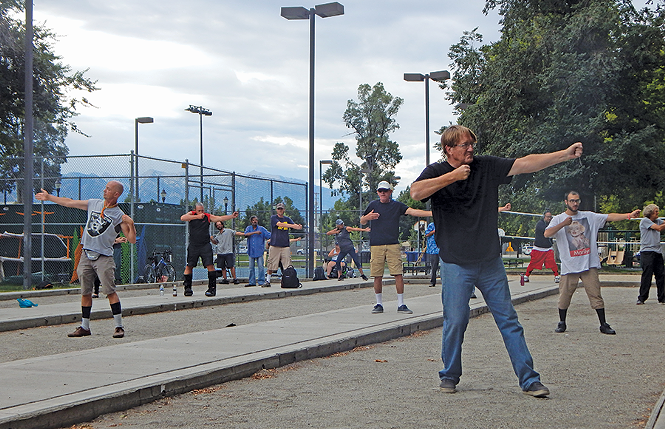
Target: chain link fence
{"points": [[155, 198]]}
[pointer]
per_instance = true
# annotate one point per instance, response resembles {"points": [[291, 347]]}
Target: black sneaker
{"points": [[537, 390], [211, 291], [639, 302], [561, 327], [448, 386], [378, 308], [224, 282], [236, 281], [404, 309], [363, 276], [605, 328], [188, 291]]}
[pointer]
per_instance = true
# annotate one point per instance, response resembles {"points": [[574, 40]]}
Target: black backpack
{"points": [[319, 274], [290, 278]]}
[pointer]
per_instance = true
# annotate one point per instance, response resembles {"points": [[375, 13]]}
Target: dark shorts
{"points": [[227, 260], [203, 251]]}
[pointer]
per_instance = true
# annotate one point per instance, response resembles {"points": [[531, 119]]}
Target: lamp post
{"points": [[321, 163], [324, 11], [201, 111], [163, 195], [57, 185], [137, 121], [437, 76], [226, 204]]}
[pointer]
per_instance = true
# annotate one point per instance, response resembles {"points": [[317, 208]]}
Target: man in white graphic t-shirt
{"points": [[576, 234]]}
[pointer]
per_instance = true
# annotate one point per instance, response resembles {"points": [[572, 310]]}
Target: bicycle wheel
{"points": [[149, 274], [170, 272]]}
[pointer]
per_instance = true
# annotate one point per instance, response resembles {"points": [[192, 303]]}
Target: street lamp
{"points": [[321, 163], [163, 195], [137, 121], [57, 185], [201, 111], [226, 204], [324, 11], [437, 76]]}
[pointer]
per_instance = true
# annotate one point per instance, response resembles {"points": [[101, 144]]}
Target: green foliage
{"points": [[406, 223], [53, 106], [372, 119], [566, 71]]}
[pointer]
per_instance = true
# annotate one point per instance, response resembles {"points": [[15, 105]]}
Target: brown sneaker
{"points": [[118, 333], [80, 332]]}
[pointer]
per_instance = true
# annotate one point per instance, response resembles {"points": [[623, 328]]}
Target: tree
{"points": [[372, 119], [566, 71], [263, 211], [53, 106]]}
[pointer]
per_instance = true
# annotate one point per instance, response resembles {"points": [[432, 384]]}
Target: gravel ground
{"points": [[596, 380]]}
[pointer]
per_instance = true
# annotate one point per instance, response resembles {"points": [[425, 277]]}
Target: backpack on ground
{"points": [[290, 278], [319, 274]]}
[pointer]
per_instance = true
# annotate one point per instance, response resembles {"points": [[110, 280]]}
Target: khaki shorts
{"points": [[379, 255], [103, 267], [568, 286], [277, 255]]}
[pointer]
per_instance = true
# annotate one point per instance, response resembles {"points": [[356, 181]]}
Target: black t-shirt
{"points": [[199, 230], [542, 241], [385, 229], [465, 212]]}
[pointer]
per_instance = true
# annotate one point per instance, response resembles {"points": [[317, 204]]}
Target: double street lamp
{"points": [[324, 11], [437, 76], [137, 121], [201, 111]]}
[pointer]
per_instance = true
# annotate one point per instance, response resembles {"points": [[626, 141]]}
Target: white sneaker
{"points": [[526, 279], [557, 279]]}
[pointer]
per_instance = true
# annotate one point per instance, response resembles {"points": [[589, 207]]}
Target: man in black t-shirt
{"points": [[199, 245], [464, 194], [384, 215]]}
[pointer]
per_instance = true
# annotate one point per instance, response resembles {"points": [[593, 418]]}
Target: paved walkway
{"points": [[144, 371]]}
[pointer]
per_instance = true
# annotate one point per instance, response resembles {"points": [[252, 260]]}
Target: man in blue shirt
{"points": [[256, 245], [432, 253]]}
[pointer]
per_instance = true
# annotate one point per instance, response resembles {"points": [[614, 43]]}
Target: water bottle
{"points": [[521, 279], [175, 290], [161, 290]]}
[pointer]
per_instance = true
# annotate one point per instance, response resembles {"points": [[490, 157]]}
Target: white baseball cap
{"points": [[384, 185]]}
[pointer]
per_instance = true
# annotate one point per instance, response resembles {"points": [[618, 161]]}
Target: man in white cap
{"points": [[280, 250], [384, 215]]}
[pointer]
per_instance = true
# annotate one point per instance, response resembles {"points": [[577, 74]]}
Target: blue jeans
{"points": [[457, 286], [262, 271]]}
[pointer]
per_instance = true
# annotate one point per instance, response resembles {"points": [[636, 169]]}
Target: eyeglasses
{"points": [[574, 201], [465, 146]]}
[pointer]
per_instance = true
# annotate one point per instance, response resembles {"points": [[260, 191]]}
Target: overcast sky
{"points": [[250, 67]]}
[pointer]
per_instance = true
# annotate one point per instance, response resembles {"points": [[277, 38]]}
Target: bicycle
{"points": [[159, 269]]}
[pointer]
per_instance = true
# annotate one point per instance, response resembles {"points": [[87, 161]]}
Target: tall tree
{"points": [[566, 71], [372, 119], [54, 106]]}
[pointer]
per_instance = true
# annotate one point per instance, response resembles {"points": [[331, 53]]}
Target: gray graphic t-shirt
{"points": [[100, 230]]}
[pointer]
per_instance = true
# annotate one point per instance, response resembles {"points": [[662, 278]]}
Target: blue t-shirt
{"points": [[256, 243], [385, 229], [279, 236], [432, 248]]}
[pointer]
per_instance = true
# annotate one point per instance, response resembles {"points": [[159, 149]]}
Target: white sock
{"points": [[85, 324], [400, 299], [118, 320], [379, 298]]}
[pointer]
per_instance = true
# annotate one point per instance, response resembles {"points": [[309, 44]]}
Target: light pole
{"points": [[201, 112], [437, 76], [322, 162], [324, 11], [137, 121], [226, 204], [57, 185], [163, 195]]}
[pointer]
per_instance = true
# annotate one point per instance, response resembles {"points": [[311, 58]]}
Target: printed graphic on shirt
{"points": [[97, 224], [578, 243]]}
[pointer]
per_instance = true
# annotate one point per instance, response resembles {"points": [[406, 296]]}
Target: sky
{"points": [[250, 67]]}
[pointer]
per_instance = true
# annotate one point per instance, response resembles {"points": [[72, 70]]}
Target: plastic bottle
{"points": [[161, 290], [175, 290]]}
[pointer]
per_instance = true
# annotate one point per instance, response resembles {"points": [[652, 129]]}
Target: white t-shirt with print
{"points": [[577, 242]]}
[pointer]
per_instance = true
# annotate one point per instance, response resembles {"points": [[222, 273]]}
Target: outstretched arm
{"points": [[62, 201], [538, 161], [418, 213], [214, 218], [505, 208], [127, 227], [614, 217]]}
